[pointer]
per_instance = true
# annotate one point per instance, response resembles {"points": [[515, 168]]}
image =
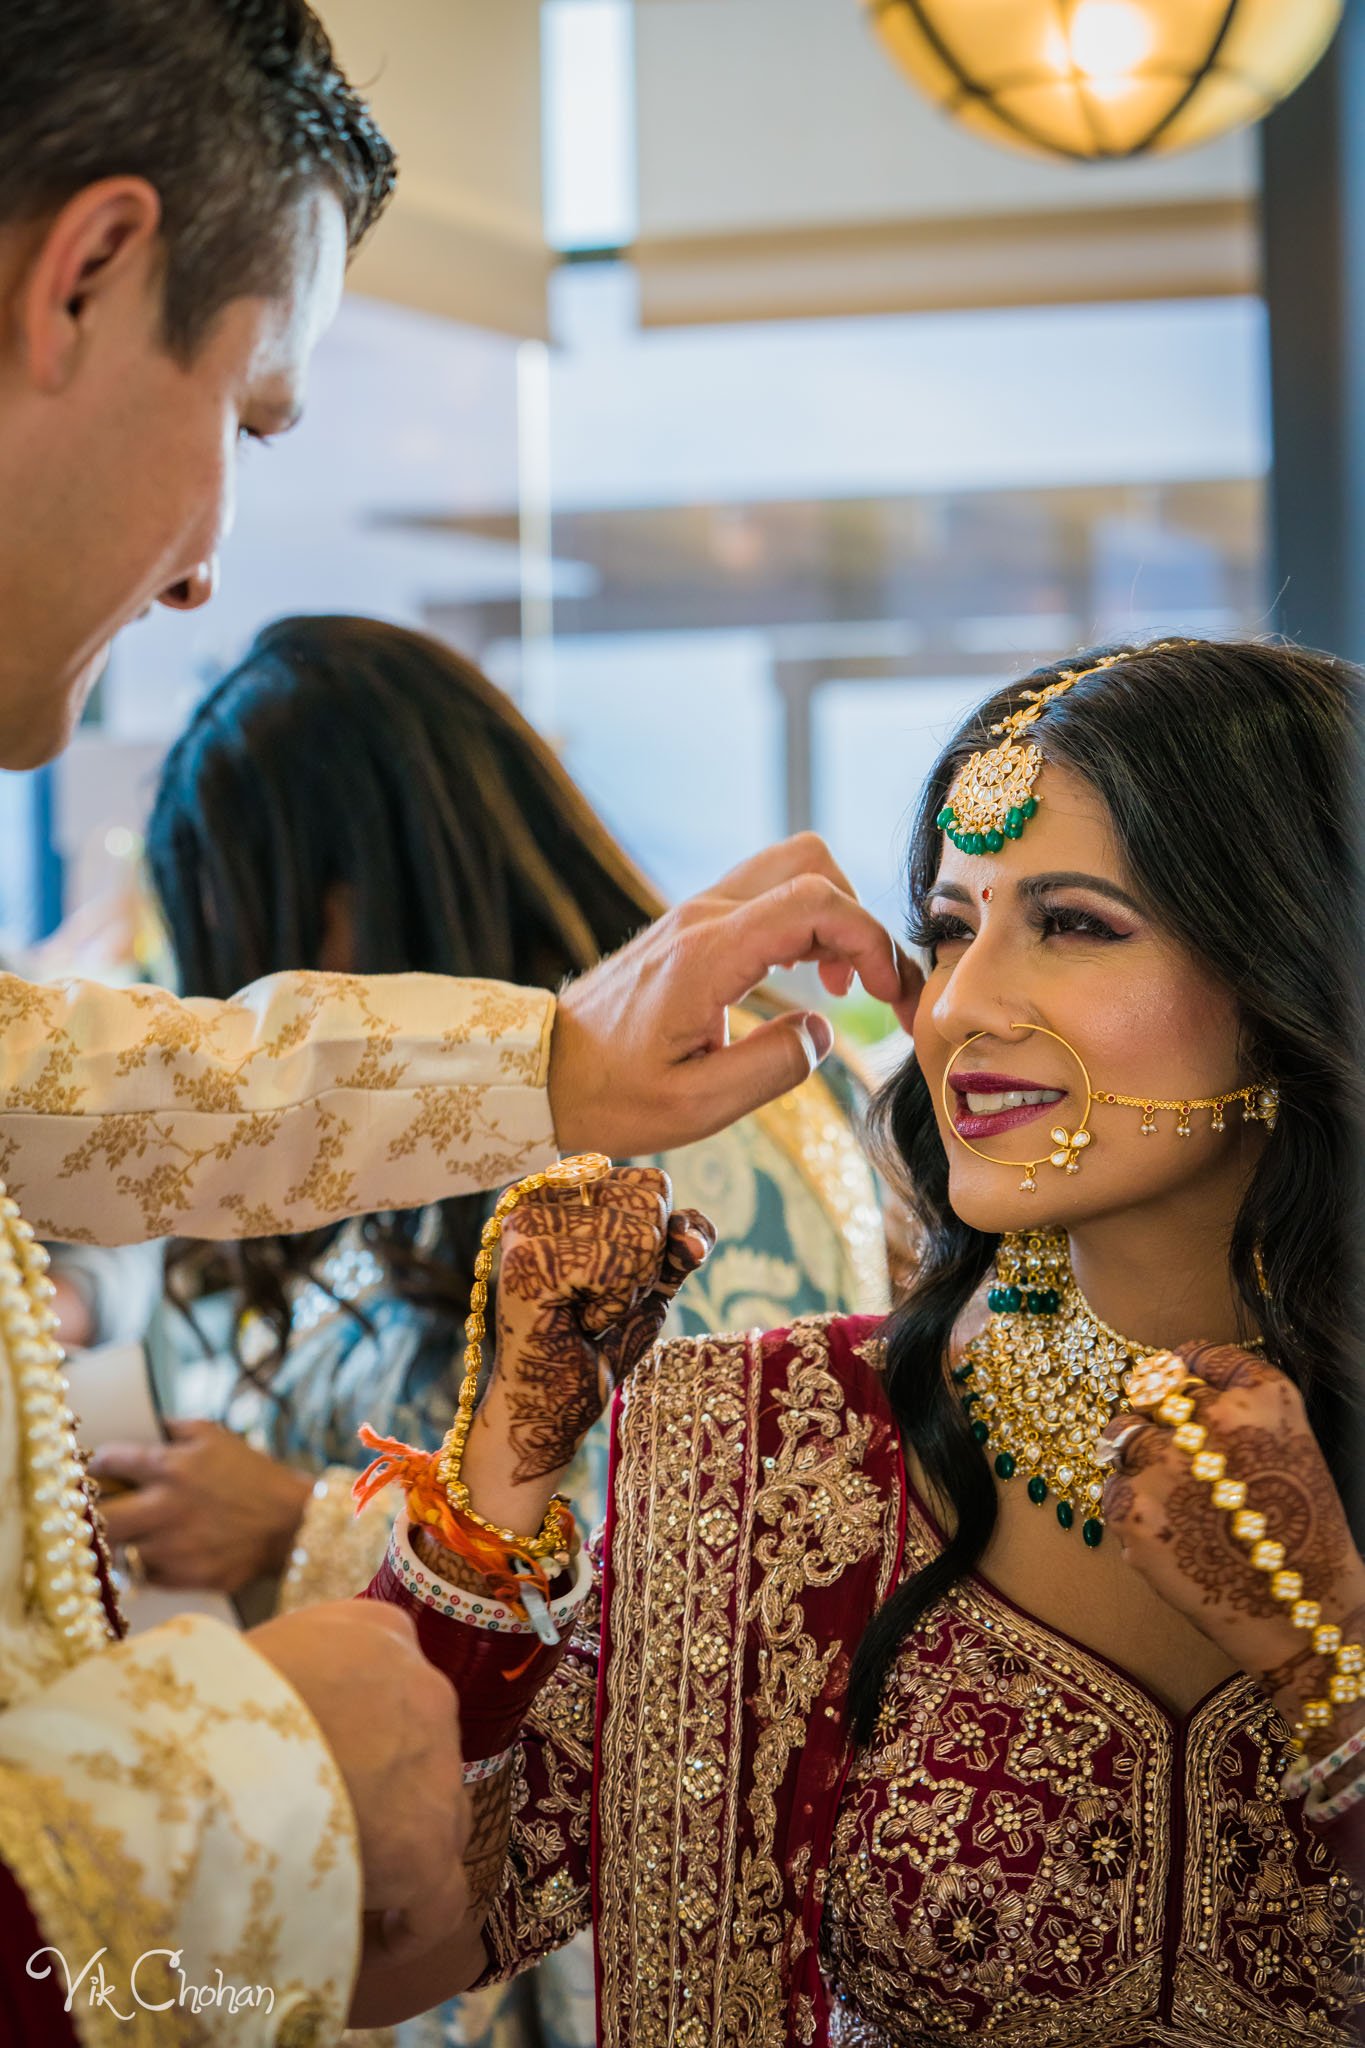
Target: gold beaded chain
{"points": [[578, 1172], [62, 1559], [1165, 1386], [1260, 1104]]}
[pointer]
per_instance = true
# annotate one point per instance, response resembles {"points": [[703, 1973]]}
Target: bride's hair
{"points": [[1230, 771]]}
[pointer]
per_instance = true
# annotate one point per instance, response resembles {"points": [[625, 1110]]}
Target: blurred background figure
{"points": [[357, 798]]}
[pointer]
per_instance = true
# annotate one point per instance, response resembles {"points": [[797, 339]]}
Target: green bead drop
{"points": [[963, 1372], [1065, 1513], [1093, 1533], [1004, 1465], [1037, 1491], [981, 1430], [1029, 806], [946, 816], [994, 841], [1014, 822]]}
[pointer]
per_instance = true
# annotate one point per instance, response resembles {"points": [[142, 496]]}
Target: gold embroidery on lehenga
{"points": [[671, 1745], [947, 1896], [823, 1515]]}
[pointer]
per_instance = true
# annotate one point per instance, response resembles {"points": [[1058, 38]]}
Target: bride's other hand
{"points": [[584, 1285], [1170, 1530]]}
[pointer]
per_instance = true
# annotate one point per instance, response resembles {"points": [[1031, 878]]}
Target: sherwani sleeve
{"points": [[173, 1796], [173, 1792], [127, 1113]]}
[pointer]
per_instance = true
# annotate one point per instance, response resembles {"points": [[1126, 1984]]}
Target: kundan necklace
{"points": [[1044, 1377]]}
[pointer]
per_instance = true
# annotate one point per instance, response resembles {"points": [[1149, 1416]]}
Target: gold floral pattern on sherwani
{"points": [[176, 1784], [175, 1794], [125, 1113]]}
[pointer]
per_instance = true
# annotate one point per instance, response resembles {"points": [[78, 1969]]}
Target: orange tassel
{"points": [[398, 1464]]}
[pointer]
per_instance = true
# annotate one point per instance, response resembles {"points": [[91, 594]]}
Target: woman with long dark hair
{"points": [[994, 1671]]}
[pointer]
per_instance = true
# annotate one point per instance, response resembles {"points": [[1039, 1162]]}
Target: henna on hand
{"points": [[1170, 1530], [583, 1290], [1288, 1482]]}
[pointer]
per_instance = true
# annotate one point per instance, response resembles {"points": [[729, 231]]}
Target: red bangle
{"points": [[496, 1676]]}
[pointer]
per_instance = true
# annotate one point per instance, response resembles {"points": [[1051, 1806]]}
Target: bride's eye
{"points": [[937, 928], [1055, 919]]}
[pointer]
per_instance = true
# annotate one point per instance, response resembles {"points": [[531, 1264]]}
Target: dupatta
{"points": [[756, 1520]]}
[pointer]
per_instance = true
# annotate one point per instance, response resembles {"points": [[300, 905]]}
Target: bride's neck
{"points": [[1160, 1277]]}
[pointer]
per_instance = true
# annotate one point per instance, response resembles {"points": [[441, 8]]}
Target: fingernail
{"points": [[817, 1035]]}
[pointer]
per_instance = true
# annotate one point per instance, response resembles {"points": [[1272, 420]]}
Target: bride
{"points": [[992, 1672]]}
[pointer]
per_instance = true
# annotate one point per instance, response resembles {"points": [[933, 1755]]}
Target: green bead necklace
{"points": [[1044, 1377]]}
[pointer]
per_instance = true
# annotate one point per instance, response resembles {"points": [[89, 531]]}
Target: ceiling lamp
{"points": [[1105, 78]]}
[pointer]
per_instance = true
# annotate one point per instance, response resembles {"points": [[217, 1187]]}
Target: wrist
{"points": [[500, 1491]]}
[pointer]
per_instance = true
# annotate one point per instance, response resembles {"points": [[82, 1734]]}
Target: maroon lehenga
{"points": [[1031, 1851]]}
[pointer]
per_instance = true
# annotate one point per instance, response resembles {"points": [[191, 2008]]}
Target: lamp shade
{"points": [[1105, 78]]}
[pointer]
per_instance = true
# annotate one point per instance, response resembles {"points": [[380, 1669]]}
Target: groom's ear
{"points": [[83, 277]]}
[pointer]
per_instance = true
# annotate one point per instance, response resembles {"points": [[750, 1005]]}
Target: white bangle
{"points": [[1320, 1809], [479, 1610], [486, 1767]]}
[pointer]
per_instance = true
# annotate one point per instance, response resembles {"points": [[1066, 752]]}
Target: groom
{"points": [[181, 183]]}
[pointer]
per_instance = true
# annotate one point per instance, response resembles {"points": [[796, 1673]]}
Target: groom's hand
{"points": [[639, 1060], [393, 1726]]}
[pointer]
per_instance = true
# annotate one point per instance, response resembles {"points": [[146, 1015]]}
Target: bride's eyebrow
{"points": [[1073, 878]]}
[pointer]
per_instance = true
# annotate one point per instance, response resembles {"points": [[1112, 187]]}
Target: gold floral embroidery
{"points": [[694, 1939], [824, 1515], [1034, 1906], [671, 1742], [337, 1551], [87, 1893], [126, 1112]]}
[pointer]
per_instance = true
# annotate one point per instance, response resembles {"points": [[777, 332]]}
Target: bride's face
{"points": [[1051, 935]]}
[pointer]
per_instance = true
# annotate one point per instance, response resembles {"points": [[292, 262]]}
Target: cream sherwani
{"points": [[172, 1792]]}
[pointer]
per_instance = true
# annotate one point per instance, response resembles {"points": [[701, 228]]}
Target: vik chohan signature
{"points": [[156, 1972]]}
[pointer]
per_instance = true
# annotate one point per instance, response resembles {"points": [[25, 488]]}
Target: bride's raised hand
{"points": [[585, 1282], [1172, 1528]]}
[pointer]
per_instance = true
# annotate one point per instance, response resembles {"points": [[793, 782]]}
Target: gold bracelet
{"points": [[1162, 1385], [578, 1172]]}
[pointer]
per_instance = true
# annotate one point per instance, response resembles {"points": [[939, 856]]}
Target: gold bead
{"points": [[1190, 1437], [1287, 1586], [1229, 1493], [1267, 1555], [1351, 1657], [1327, 1639], [478, 1296], [1343, 1688], [1306, 1613], [1318, 1713], [1208, 1465], [1249, 1525], [1174, 1409]]}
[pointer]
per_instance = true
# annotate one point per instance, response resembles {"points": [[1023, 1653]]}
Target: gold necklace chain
{"points": [[1044, 1378]]}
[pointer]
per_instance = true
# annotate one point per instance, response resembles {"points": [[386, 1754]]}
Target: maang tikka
{"points": [[992, 798]]}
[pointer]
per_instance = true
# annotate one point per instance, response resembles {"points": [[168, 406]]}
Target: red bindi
{"points": [[987, 893]]}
